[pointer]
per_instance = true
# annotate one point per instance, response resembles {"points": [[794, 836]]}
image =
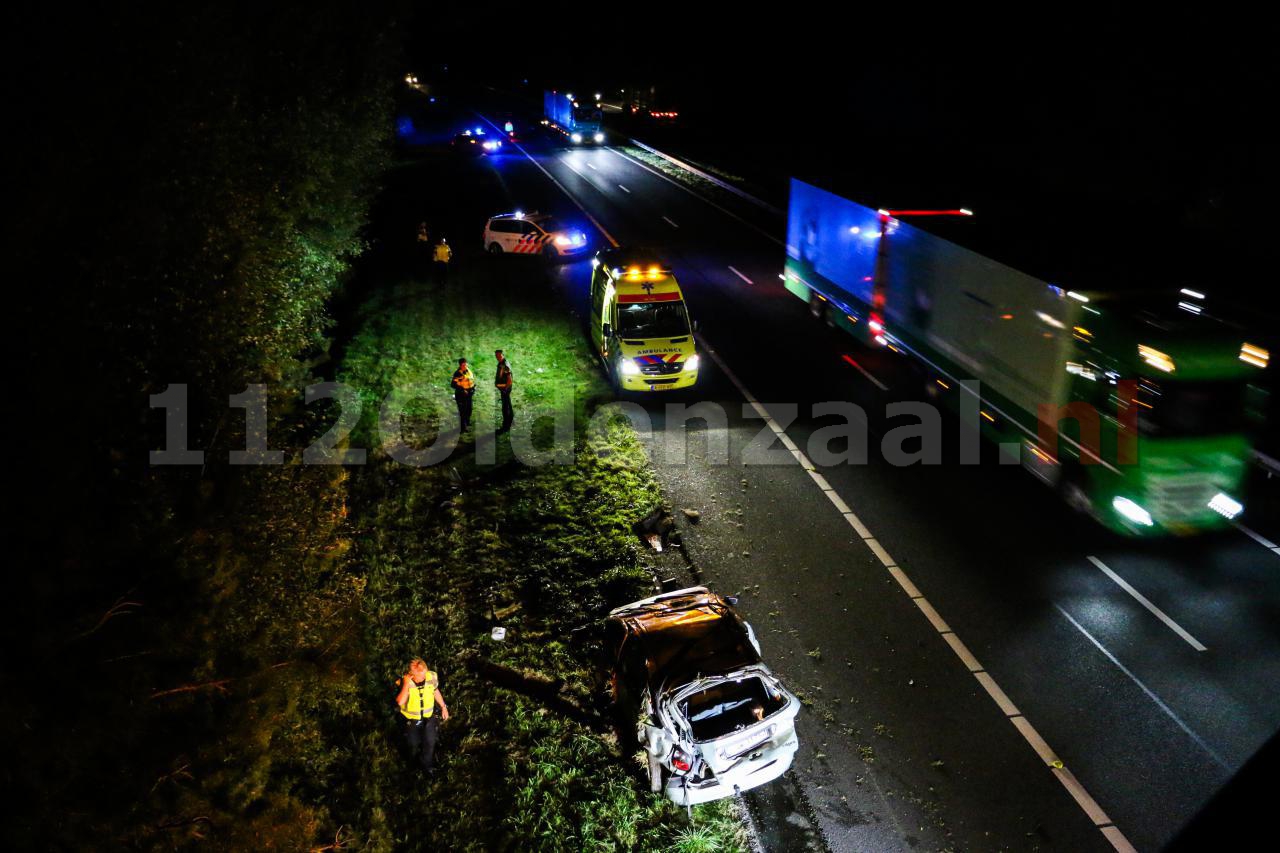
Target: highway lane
{"points": [[931, 775], [1005, 588]]}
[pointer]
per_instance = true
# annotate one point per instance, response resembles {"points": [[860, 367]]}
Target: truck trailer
{"points": [[579, 123], [1133, 405]]}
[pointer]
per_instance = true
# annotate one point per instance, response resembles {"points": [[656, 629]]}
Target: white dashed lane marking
{"points": [[1142, 599], [1072, 785]]}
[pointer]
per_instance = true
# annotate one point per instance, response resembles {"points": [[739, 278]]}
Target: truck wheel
{"points": [[817, 305], [495, 248], [1072, 489]]}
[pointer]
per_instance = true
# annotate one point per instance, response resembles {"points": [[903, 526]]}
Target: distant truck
{"points": [[639, 324], [1133, 406], [581, 124]]}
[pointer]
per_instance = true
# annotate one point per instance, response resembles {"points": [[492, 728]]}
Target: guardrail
{"points": [[738, 191]]}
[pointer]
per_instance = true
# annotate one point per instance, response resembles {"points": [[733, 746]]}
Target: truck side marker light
{"points": [[1155, 358], [1254, 355]]}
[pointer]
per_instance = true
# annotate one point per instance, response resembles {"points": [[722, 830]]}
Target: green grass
{"points": [[548, 546]]}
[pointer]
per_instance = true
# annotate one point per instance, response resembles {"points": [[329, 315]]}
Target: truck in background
{"points": [[1134, 406], [580, 123]]}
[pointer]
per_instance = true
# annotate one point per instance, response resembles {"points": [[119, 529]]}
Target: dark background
{"points": [[1130, 153]]}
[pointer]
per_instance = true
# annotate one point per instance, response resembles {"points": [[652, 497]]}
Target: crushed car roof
{"points": [[686, 636]]}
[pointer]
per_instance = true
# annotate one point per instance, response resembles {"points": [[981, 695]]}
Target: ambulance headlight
{"points": [[691, 363], [576, 137], [599, 137], [1131, 511], [630, 368]]}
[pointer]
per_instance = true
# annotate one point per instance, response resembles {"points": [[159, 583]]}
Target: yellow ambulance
{"points": [[639, 324]]}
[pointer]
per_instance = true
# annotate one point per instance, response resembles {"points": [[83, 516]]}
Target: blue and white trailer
{"points": [[579, 122]]}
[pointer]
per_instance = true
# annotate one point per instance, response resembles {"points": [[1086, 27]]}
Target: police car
{"points": [[532, 234]]}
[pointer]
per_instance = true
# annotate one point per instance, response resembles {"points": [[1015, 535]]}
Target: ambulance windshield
{"points": [[653, 320]]}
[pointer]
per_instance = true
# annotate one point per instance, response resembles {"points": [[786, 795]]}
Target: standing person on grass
{"points": [[503, 382], [418, 699], [464, 388], [442, 255], [422, 243]]}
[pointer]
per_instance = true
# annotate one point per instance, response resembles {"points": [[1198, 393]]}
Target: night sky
{"points": [[1132, 151]]}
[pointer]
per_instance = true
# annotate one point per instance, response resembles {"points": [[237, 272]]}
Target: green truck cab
{"points": [[1135, 406]]}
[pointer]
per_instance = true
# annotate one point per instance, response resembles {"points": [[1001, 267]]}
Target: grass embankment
{"points": [[548, 548]]}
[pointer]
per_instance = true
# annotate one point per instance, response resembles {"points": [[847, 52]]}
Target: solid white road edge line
{"points": [[1072, 785], [1145, 602], [1150, 695], [1260, 539], [676, 183], [741, 193]]}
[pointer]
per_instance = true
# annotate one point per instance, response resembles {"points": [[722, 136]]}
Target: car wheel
{"points": [[495, 248], [549, 252]]}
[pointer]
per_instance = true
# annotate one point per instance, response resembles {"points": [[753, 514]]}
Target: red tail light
{"points": [[680, 761]]}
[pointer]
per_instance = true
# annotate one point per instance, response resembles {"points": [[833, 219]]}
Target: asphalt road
{"points": [[1147, 670]]}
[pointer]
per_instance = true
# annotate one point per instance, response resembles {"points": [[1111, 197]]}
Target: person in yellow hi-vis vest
{"points": [[418, 698], [442, 254]]}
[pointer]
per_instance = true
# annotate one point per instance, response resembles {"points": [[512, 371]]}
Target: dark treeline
{"points": [[189, 191]]}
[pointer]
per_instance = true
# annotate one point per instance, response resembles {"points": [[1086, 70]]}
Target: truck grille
{"points": [[1178, 498]]}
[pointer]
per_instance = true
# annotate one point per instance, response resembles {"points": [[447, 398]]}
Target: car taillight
{"points": [[680, 761]]}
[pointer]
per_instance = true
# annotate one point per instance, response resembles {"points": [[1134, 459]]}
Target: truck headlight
{"points": [[599, 137], [1226, 506], [1131, 511], [630, 368], [691, 363], [576, 137]]}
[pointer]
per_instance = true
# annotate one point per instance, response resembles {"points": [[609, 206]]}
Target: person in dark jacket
{"points": [[503, 382]]}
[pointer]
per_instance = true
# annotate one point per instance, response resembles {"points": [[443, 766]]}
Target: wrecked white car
{"points": [[713, 719]]}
